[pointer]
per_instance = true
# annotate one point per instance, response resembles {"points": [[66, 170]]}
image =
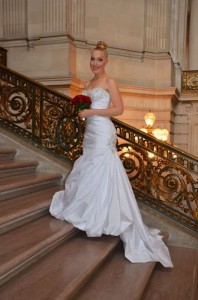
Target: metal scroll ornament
{"points": [[190, 82], [171, 184], [15, 104]]}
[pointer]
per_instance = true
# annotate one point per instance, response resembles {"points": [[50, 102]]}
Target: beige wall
{"points": [[121, 23]]}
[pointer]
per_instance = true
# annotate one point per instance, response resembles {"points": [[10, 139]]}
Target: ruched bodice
{"points": [[98, 197], [106, 134]]}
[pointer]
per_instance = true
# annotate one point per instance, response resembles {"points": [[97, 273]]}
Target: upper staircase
{"points": [[44, 258]]}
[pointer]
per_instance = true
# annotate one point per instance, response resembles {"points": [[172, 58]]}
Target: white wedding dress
{"points": [[98, 197]]}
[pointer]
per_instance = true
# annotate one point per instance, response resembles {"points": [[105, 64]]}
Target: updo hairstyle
{"points": [[101, 46]]}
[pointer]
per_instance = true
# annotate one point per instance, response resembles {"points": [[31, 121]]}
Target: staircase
{"points": [[44, 258]]}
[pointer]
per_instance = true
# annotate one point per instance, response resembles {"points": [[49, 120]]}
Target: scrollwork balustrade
{"points": [[161, 171], [40, 114]]}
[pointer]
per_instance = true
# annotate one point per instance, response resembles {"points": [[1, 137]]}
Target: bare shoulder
{"points": [[112, 84], [111, 81]]}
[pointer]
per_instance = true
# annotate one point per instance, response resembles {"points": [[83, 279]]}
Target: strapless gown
{"points": [[98, 197]]}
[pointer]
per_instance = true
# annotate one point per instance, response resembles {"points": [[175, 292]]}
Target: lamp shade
{"points": [[161, 134], [149, 119], [165, 134], [157, 133]]}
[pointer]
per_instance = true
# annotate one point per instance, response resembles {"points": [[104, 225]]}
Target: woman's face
{"points": [[98, 61]]}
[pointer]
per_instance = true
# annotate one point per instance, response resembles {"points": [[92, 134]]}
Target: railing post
{"points": [[3, 56]]}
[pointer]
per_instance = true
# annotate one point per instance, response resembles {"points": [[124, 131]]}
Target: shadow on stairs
{"points": [[44, 258]]}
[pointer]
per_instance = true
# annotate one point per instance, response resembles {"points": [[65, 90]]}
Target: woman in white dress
{"points": [[98, 197]]}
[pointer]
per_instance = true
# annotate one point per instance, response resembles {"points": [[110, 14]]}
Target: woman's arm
{"points": [[117, 104]]}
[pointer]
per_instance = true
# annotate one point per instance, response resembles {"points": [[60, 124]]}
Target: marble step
{"points": [[117, 279], [14, 186], [26, 244], [63, 271], [13, 167], [7, 153], [178, 283], [19, 210]]}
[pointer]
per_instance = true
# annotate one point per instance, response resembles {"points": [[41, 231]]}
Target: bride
{"points": [[98, 197]]}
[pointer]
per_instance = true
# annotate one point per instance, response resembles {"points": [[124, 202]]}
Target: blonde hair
{"points": [[101, 46]]}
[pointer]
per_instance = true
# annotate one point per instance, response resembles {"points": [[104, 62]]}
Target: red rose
{"points": [[81, 102]]}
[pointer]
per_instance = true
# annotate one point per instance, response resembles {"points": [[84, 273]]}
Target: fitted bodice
{"points": [[100, 132], [100, 98]]}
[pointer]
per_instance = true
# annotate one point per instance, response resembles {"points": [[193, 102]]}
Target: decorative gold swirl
{"points": [[68, 132], [133, 162], [174, 185], [15, 105], [190, 82]]}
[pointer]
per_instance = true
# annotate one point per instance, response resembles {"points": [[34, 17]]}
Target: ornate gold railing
{"points": [[39, 114], [162, 176], [190, 82], [3, 56]]}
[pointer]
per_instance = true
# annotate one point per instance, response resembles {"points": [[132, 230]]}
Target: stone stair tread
{"points": [[20, 207], [117, 279], [27, 243], [179, 282], [17, 185], [12, 164], [16, 168], [17, 206], [61, 272], [7, 150], [25, 179], [7, 153]]}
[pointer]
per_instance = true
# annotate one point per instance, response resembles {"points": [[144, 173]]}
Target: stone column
{"points": [[193, 36], [157, 20], [34, 17], [64, 17], [14, 18], [54, 17], [193, 131], [76, 18], [179, 15], [178, 28], [1, 19]]}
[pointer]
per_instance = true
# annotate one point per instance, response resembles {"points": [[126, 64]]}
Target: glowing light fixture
{"points": [[165, 134], [160, 134], [149, 119]]}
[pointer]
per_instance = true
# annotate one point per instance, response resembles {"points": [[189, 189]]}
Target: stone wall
{"points": [[50, 40]]}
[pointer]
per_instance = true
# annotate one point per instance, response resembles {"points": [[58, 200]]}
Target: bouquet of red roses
{"points": [[81, 102]]}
